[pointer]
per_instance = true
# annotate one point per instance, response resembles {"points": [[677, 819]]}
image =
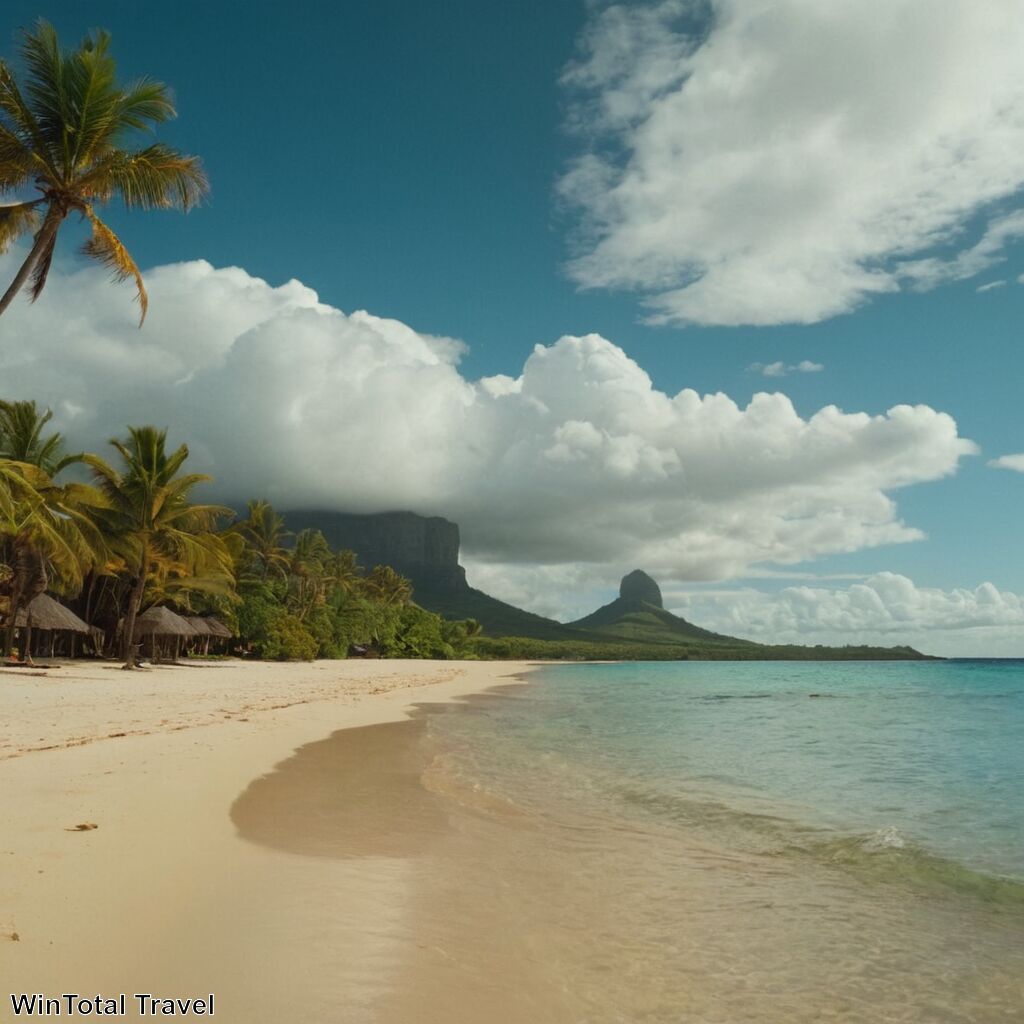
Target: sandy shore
{"points": [[165, 895]]}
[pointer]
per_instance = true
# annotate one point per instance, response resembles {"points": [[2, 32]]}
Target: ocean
{"points": [[726, 842]]}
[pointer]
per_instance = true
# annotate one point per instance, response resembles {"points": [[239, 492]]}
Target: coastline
{"points": [[163, 896]]}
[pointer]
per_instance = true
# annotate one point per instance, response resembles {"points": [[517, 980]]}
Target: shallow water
{"points": [[776, 843], [727, 842]]}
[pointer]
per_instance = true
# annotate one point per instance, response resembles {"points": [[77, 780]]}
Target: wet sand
{"points": [[210, 870]]}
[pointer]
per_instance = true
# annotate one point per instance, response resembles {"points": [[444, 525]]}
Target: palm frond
{"points": [[17, 220], [144, 103], [92, 98], [47, 87], [157, 177], [106, 247], [17, 162], [21, 117]]}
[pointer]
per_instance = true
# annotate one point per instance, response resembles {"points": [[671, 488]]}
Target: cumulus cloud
{"points": [[781, 369], [771, 161], [885, 608], [1015, 462], [579, 459]]}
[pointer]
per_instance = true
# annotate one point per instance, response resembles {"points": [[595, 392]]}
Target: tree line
{"points": [[126, 534]]}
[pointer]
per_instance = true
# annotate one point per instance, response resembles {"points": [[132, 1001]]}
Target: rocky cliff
{"points": [[637, 589], [425, 549], [639, 613]]}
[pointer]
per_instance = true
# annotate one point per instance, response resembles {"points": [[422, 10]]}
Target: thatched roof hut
{"points": [[44, 613], [217, 628], [198, 624], [161, 621]]}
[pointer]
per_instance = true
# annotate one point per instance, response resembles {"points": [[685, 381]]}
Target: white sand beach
{"points": [[163, 896]]}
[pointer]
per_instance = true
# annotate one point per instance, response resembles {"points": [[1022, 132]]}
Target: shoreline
{"points": [[163, 895]]}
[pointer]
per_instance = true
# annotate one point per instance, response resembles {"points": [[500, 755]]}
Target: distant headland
{"points": [[635, 626]]}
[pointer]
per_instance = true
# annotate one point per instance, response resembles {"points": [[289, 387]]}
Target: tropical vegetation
{"points": [[115, 538], [67, 129], [133, 536]]}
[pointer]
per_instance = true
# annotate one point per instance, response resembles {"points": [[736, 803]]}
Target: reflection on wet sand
{"points": [[355, 794]]}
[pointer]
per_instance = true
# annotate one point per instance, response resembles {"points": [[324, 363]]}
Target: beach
{"points": [[387, 842], [163, 895]]}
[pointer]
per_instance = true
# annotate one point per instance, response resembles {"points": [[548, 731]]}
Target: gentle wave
{"points": [[885, 855], [889, 857]]}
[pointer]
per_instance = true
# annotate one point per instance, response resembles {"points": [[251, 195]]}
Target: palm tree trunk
{"points": [[30, 580], [134, 600], [15, 606], [44, 236]]}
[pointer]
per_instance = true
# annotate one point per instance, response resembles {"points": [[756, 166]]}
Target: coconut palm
{"points": [[47, 533], [388, 587], [310, 571], [264, 533], [46, 527], [21, 438], [64, 130], [149, 521], [346, 571]]}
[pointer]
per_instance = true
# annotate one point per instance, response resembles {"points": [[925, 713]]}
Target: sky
{"points": [[729, 291]]}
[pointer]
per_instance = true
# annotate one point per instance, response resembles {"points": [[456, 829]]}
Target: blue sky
{"points": [[411, 160]]}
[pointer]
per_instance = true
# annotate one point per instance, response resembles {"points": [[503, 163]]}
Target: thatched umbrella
{"points": [[45, 614], [202, 631], [217, 628], [218, 632], [161, 621]]}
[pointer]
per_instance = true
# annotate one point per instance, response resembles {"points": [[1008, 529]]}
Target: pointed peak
{"points": [[637, 587]]}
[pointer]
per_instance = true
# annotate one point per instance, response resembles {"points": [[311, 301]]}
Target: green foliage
{"points": [[327, 595], [518, 648], [137, 539], [287, 639], [271, 631], [420, 634]]}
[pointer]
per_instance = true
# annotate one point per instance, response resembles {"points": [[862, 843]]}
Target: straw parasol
{"points": [[159, 621], [43, 613], [217, 628], [202, 635]]}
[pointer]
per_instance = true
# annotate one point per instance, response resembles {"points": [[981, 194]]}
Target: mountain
{"points": [[425, 549], [639, 614], [635, 626]]}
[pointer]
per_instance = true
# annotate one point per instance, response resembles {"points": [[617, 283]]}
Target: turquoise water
{"points": [[779, 843], [921, 757]]}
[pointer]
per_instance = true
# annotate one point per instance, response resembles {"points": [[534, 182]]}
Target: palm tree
{"points": [[48, 535], [263, 532], [346, 571], [310, 570], [64, 131], [150, 522], [47, 528], [21, 438], [388, 586]]}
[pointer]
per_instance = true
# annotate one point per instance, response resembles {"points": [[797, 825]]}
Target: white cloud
{"points": [[793, 158], [990, 286], [1015, 462], [885, 609], [781, 369], [580, 459]]}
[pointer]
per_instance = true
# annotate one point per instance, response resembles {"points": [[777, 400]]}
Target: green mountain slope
{"points": [[635, 626], [497, 617], [638, 615]]}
